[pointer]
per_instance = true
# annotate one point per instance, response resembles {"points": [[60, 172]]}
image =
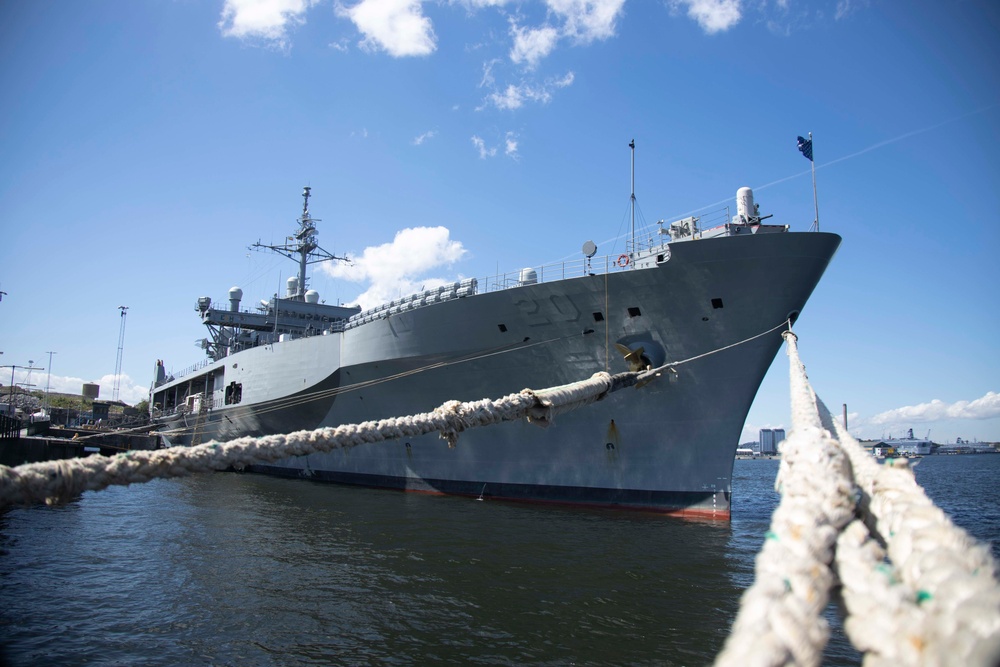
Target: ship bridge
{"points": [[234, 329]]}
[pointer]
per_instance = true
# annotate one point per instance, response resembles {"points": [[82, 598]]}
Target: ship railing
{"points": [[501, 281], [648, 241], [193, 368], [212, 403], [533, 275], [574, 268]]}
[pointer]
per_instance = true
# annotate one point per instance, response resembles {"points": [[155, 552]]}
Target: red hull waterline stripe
{"points": [[679, 504]]}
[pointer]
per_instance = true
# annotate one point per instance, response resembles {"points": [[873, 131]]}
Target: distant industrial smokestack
{"points": [[845, 416]]}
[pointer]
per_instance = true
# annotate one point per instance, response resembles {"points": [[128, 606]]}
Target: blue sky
{"points": [[144, 146]]}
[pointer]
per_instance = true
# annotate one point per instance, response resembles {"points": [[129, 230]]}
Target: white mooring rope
{"points": [[936, 600], [57, 481]]}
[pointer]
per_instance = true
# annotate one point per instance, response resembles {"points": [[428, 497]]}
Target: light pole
{"points": [[10, 392], [121, 345], [47, 379]]}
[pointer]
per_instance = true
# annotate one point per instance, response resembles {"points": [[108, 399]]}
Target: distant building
{"points": [[101, 410], [871, 446], [967, 447], [769, 439]]}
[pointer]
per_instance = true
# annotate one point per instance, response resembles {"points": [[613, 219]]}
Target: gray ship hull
{"points": [[668, 446]]}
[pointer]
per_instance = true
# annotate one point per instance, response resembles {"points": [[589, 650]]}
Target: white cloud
{"points": [[398, 268], [479, 4], [398, 27], [582, 21], [514, 97], [128, 391], [488, 79], [944, 417], [430, 134], [510, 145], [267, 20], [847, 7], [987, 407], [587, 20], [565, 81], [532, 44], [481, 147], [712, 15]]}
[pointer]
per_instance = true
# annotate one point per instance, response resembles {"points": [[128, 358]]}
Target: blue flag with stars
{"points": [[806, 147]]}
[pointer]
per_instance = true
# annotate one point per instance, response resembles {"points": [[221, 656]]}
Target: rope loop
{"points": [[930, 597]]}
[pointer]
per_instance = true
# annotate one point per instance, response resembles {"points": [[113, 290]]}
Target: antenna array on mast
{"points": [[302, 246]]}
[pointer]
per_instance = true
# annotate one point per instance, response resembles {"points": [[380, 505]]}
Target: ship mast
{"points": [[302, 246], [307, 238]]}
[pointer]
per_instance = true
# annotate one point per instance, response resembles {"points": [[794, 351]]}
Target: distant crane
{"points": [[121, 347]]}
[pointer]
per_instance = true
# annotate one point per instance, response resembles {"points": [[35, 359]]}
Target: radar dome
{"points": [[312, 296], [745, 210], [235, 295]]}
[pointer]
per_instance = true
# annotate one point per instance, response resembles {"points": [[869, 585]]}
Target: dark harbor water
{"points": [[229, 569]]}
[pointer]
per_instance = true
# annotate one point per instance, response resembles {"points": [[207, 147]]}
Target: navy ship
{"points": [[714, 300]]}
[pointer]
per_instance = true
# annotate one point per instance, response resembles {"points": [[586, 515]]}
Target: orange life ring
{"points": [[623, 260]]}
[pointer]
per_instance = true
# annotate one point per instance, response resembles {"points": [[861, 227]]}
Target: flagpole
{"points": [[631, 145], [812, 161]]}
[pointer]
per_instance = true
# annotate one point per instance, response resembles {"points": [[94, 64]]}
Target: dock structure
{"points": [[20, 444], [10, 427]]}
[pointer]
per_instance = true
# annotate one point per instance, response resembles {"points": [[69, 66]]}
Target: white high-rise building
{"points": [[769, 439]]}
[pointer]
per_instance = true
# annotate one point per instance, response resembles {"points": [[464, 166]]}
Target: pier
{"points": [[22, 442]]}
